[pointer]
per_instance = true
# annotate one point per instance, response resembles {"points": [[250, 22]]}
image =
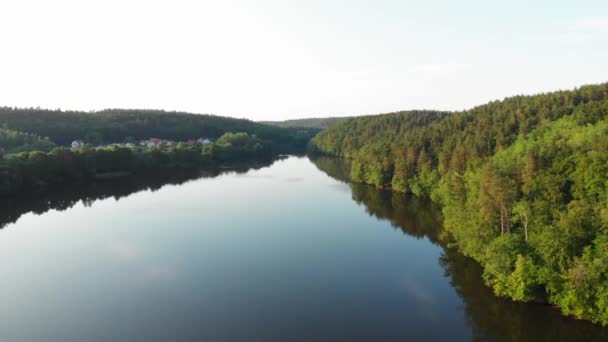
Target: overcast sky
{"points": [[277, 60]]}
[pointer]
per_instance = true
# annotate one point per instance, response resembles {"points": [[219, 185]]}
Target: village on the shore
{"points": [[152, 142]]}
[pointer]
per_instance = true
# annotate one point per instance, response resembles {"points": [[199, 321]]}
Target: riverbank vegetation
{"points": [[523, 185], [27, 171]]}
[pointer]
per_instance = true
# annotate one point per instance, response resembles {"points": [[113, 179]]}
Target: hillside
{"points": [[116, 125], [523, 183]]}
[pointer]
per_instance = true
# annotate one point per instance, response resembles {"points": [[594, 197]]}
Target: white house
{"points": [[77, 143], [204, 141]]}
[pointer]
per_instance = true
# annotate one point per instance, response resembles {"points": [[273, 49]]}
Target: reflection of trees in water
{"points": [[499, 319], [414, 216], [334, 167], [491, 318], [64, 197]]}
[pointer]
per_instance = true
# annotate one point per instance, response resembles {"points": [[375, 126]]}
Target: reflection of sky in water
{"points": [[274, 252]]}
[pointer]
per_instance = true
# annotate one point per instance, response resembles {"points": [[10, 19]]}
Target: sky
{"points": [[276, 60]]}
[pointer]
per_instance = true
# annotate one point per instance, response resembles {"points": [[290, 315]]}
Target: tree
{"points": [[521, 210], [528, 172], [496, 194]]}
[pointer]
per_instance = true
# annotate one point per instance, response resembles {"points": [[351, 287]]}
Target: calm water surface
{"points": [[285, 252]]}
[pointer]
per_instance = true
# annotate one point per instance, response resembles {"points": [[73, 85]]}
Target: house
{"points": [[204, 141], [190, 142], [77, 143], [153, 142]]}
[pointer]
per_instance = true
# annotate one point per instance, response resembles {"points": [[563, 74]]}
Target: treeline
{"points": [[120, 125], [309, 123], [27, 171], [352, 134], [523, 184]]}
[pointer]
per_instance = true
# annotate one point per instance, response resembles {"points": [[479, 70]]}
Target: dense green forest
{"points": [[121, 125], [523, 185], [26, 171]]}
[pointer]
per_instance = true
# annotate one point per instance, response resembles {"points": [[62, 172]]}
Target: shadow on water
{"points": [[64, 197], [490, 318]]}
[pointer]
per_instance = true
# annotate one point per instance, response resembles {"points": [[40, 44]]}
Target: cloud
{"points": [[424, 300], [143, 267], [124, 250]]}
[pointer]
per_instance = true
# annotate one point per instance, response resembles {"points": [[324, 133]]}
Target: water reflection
{"points": [[490, 318], [273, 254], [64, 197]]}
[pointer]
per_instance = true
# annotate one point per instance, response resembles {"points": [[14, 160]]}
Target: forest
{"points": [[522, 183]]}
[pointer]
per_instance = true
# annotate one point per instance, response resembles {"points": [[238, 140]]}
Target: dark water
{"points": [[279, 253]]}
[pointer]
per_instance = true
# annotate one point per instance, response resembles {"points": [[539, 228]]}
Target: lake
{"points": [[288, 251]]}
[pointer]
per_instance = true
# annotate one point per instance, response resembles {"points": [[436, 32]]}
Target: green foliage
{"points": [[523, 184], [523, 284], [14, 142], [234, 146], [586, 284], [509, 271], [424, 182]]}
